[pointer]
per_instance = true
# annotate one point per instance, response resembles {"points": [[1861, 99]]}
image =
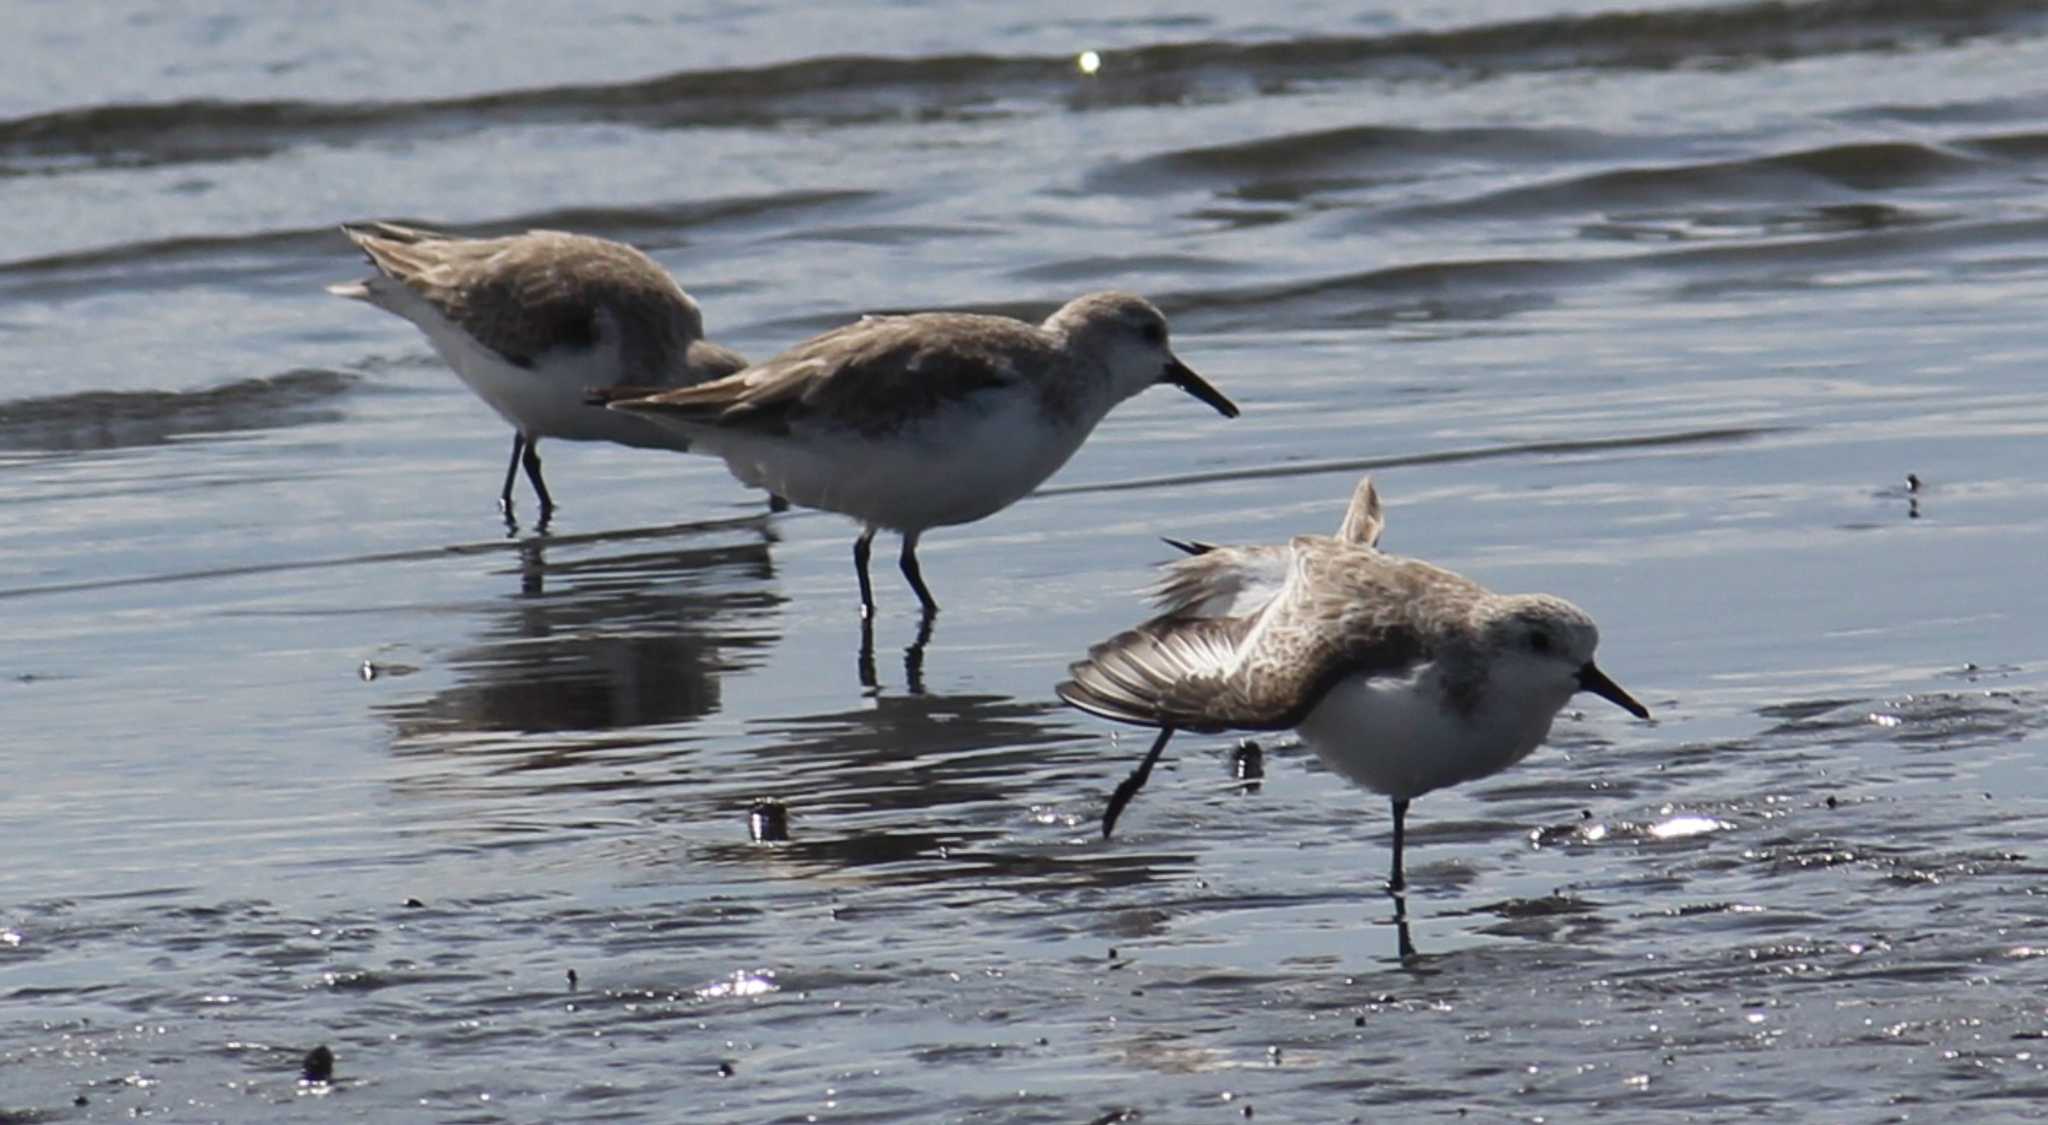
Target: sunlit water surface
{"points": [[1651, 307]]}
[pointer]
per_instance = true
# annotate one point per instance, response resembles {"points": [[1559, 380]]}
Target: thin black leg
{"points": [[540, 487], [1397, 881], [861, 548], [1129, 787], [1403, 940], [511, 472], [916, 576]]}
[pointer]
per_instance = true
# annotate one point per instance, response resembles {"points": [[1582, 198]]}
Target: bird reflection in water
{"points": [[920, 790], [598, 639], [913, 657], [540, 525]]}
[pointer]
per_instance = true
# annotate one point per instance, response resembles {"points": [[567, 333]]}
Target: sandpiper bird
{"points": [[532, 321], [915, 422], [1401, 676]]}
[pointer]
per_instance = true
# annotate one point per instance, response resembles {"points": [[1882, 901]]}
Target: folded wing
{"points": [[525, 295], [867, 375]]}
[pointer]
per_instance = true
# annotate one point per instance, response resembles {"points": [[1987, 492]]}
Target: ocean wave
{"points": [[1483, 288], [190, 259], [95, 420], [853, 89], [1359, 152], [1828, 173]]}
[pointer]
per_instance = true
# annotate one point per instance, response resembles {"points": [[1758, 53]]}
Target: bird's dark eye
{"points": [[1539, 642], [1154, 333]]}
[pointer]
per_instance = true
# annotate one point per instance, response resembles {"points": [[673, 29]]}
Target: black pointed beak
{"points": [[1181, 375], [1592, 679]]}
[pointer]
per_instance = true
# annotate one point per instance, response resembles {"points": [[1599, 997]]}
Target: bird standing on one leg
{"points": [[1403, 677]]}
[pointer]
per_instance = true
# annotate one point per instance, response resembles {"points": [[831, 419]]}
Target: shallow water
{"points": [[1653, 307]]}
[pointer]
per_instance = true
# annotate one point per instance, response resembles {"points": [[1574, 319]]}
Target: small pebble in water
{"points": [[725, 1070], [368, 671], [318, 1066], [81, 1100], [1247, 762], [572, 980], [1912, 482], [414, 904], [1831, 800], [768, 822]]}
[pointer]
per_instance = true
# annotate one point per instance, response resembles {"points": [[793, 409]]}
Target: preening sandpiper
{"points": [[531, 322], [921, 421], [1401, 676]]}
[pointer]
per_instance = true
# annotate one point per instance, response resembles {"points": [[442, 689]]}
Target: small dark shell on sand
{"points": [[319, 1065], [768, 822]]}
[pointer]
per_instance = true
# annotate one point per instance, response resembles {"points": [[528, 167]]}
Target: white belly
{"points": [[544, 400], [957, 467], [1395, 736]]}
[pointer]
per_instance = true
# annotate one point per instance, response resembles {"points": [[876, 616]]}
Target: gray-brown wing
{"points": [[1219, 581], [867, 375], [527, 294], [707, 361], [1345, 610]]}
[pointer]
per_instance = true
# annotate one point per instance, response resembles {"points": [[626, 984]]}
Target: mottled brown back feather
{"points": [[1225, 572], [1346, 610], [868, 375], [524, 295]]}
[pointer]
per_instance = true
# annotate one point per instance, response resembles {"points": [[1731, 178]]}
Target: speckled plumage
{"points": [[530, 322], [1402, 676], [882, 373], [1215, 579], [524, 295], [1343, 610], [931, 419], [869, 376]]}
